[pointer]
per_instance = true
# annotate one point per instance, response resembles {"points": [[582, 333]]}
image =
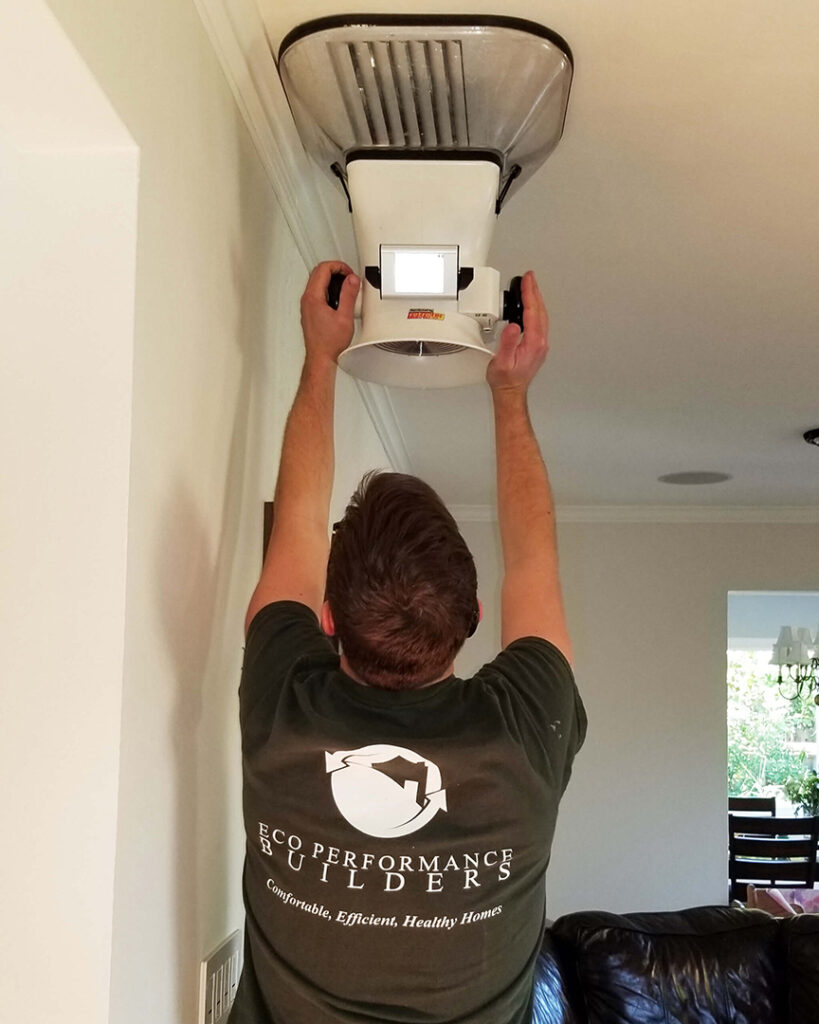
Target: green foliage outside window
{"points": [[768, 736], [804, 792]]}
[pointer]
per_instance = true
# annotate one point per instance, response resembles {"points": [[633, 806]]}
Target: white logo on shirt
{"points": [[385, 791]]}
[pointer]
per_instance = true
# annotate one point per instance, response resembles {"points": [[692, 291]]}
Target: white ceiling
{"points": [[675, 233]]}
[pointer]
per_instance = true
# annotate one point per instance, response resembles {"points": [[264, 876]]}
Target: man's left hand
{"points": [[327, 331]]}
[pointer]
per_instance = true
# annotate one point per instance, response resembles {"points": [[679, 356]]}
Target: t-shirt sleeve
{"points": [[535, 687], [281, 635]]}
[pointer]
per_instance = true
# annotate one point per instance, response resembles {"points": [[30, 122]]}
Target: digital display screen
{"points": [[419, 270], [419, 273]]}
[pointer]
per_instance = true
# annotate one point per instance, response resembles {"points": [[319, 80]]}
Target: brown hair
{"points": [[401, 583]]}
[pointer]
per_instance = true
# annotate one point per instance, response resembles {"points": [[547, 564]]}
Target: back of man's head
{"points": [[401, 583]]}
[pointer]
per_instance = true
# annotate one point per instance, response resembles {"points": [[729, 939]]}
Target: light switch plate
{"points": [[218, 980]]}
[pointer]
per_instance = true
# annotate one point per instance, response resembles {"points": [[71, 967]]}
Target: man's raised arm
{"points": [[295, 564], [531, 599]]}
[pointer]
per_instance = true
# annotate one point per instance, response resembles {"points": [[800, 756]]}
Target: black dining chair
{"points": [[771, 852], [752, 804]]}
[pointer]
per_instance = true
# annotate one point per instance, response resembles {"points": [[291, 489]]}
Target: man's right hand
{"points": [[520, 356], [327, 331]]}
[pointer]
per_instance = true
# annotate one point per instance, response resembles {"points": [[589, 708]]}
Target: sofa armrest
{"points": [[553, 1002], [801, 936], [716, 964]]}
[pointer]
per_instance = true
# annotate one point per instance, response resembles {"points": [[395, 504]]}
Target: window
{"points": [[770, 738]]}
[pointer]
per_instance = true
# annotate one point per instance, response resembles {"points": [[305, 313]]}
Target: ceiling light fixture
{"points": [[797, 653], [694, 477]]}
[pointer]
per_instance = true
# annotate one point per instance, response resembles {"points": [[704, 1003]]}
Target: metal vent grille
{"points": [[420, 348], [403, 92]]}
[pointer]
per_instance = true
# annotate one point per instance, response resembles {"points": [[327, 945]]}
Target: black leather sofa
{"points": [[706, 965]]}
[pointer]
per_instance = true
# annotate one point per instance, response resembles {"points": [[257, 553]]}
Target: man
{"points": [[399, 820]]}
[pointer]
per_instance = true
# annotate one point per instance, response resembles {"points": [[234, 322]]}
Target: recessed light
{"points": [[694, 477], [812, 436]]}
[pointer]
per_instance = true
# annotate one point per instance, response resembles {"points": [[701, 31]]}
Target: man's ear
{"points": [[326, 619], [478, 616]]}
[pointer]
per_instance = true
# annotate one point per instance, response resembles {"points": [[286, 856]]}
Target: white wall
{"points": [[64, 422], [68, 194], [216, 349], [643, 824]]}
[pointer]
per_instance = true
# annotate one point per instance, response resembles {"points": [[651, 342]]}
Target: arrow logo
{"points": [[383, 790]]}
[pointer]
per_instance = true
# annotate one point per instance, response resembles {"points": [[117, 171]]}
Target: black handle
{"points": [[334, 289], [513, 303]]}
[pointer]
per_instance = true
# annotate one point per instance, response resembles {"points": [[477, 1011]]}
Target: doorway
{"points": [[772, 731]]}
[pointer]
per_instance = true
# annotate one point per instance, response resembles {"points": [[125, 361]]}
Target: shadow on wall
{"points": [[187, 593], [201, 601]]}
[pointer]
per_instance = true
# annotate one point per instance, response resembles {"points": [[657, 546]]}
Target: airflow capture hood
{"points": [[411, 82], [428, 123]]}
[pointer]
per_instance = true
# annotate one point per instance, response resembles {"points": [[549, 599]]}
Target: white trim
{"points": [[238, 36], [474, 513], [655, 514], [379, 405], [750, 643], [773, 593]]}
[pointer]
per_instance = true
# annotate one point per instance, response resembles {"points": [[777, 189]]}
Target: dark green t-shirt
{"points": [[396, 841]]}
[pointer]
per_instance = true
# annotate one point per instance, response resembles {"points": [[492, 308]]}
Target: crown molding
{"points": [[474, 513], [379, 405], [238, 36], [793, 514]]}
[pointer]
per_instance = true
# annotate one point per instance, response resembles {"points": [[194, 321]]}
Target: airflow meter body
{"points": [[429, 123]]}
